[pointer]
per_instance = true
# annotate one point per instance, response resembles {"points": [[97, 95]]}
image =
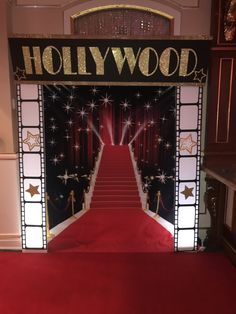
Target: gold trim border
{"points": [[122, 83], [121, 6]]}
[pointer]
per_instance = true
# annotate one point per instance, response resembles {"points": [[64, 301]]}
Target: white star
{"points": [[167, 146], [54, 96], [106, 100], [92, 105], [147, 106], [71, 97], [67, 137], [125, 105], [162, 177], [128, 122], [82, 113], [163, 119], [53, 127], [52, 142], [76, 147], [55, 160], [70, 122], [67, 107], [138, 95], [94, 90]]}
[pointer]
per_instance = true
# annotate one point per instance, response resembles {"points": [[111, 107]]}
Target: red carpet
{"points": [[117, 283], [115, 222]]}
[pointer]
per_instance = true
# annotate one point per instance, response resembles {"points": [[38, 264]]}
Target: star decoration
{"points": [[65, 177], [199, 75], [92, 106], [54, 96], [71, 97], [147, 106], [163, 119], [55, 160], [94, 90], [162, 177], [70, 122], [33, 190], [76, 147], [32, 140], [138, 95], [67, 137], [53, 127], [128, 122], [187, 143], [187, 192], [82, 113], [19, 74], [106, 100], [125, 105], [67, 107], [52, 142]]}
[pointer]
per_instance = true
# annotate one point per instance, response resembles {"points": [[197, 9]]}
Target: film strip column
{"points": [[32, 167], [188, 144]]}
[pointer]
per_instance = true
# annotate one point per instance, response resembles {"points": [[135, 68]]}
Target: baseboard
{"points": [[10, 242]]}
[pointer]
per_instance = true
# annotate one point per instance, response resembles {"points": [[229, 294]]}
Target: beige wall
{"points": [[37, 21]]}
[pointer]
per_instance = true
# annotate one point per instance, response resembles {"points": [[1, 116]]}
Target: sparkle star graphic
{"points": [[19, 74], [32, 140], [187, 143], [199, 75], [33, 190], [106, 100], [187, 192]]}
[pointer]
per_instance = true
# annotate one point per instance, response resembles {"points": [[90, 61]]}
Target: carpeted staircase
{"points": [[116, 186]]}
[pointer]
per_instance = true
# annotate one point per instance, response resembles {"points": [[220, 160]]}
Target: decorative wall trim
{"points": [[10, 241], [9, 156]]}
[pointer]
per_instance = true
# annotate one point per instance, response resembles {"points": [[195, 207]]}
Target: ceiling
{"points": [[61, 3]]}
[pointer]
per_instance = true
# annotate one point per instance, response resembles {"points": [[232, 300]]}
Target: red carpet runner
{"points": [[116, 222]]}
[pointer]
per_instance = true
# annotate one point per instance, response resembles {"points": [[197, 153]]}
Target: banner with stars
{"points": [[170, 61]]}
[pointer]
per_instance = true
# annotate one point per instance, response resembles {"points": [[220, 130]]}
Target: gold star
{"points": [[19, 74], [187, 192], [32, 140], [33, 190], [199, 75], [187, 143]]}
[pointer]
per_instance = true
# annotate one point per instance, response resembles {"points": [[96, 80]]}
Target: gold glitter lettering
{"points": [[165, 61], [99, 59], [28, 59], [184, 62], [128, 55], [48, 60], [81, 57], [144, 61], [66, 56]]}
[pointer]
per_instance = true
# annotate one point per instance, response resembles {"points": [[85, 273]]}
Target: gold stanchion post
{"points": [[72, 197], [84, 198], [158, 202], [49, 234]]}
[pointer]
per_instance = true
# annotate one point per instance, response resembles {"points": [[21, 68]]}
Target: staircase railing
{"points": [[88, 195], [143, 196]]}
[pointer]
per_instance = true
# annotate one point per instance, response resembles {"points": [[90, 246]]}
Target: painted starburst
{"points": [[92, 105], [71, 97], [55, 160], [128, 122], [82, 113], [67, 107], [138, 95], [70, 122], [53, 127], [94, 90], [76, 147], [162, 177], [199, 75], [19, 74], [54, 96], [106, 100], [147, 106], [125, 105], [163, 119], [52, 142]]}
